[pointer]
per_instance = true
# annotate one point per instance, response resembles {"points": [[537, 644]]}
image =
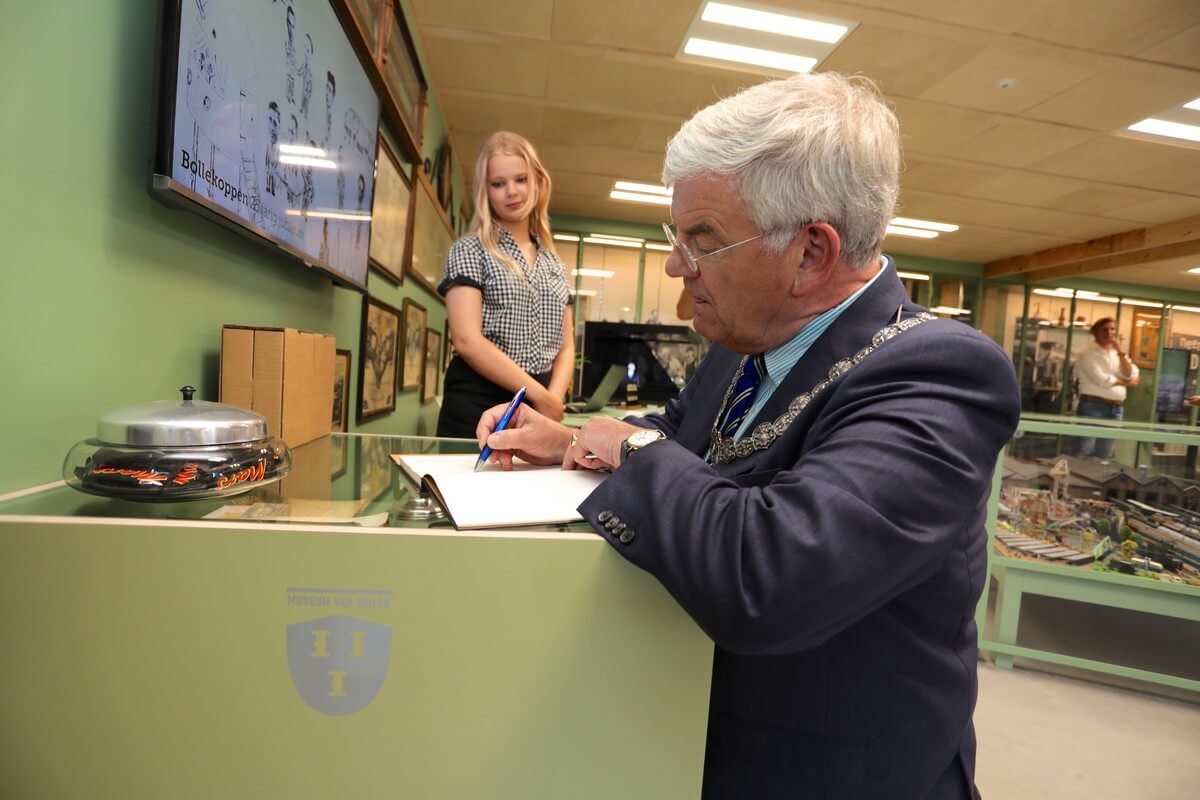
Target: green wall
{"points": [[108, 297]]}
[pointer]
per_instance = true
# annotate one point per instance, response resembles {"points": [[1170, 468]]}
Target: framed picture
{"points": [[338, 456], [447, 347], [375, 467], [390, 218], [413, 356], [341, 391], [1143, 347], [433, 365], [431, 234], [378, 352], [402, 76]]}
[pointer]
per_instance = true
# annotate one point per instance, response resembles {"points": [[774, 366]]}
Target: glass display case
{"points": [[1097, 512]]}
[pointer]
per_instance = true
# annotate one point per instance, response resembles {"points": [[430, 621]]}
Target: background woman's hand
{"points": [[548, 405]]}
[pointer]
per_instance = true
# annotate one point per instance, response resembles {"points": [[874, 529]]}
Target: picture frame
{"points": [[338, 456], [447, 347], [391, 217], [412, 357], [375, 467], [433, 363], [341, 391], [1143, 342], [431, 234], [379, 350], [402, 75]]}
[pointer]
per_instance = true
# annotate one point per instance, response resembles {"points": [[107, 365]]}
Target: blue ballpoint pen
{"points": [[502, 424]]}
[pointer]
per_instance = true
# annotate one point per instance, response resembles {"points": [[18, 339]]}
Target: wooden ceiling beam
{"points": [[1171, 239]]}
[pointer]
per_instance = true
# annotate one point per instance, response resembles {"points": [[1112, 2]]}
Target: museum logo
{"points": [[338, 662]]}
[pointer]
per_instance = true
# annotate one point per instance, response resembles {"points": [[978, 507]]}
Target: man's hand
{"points": [[529, 435], [597, 445]]}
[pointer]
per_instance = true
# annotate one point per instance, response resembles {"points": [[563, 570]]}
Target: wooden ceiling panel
{"points": [[455, 64], [1018, 143], [1034, 81], [903, 64], [527, 18], [614, 85], [625, 24], [581, 184], [933, 129], [1163, 209], [1025, 188], [931, 176], [1110, 26], [582, 127], [1182, 49], [1124, 162], [654, 136], [484, 114], [587, 206], [1111, 101], [588, 159]]}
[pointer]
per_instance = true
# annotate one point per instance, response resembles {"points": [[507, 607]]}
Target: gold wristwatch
{"points": [[639, 439]]}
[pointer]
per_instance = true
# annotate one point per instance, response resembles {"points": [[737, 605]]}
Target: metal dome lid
{"points": [[186, 423]]}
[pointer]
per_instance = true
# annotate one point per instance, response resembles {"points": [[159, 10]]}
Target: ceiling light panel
{"points": [[761, 39]]}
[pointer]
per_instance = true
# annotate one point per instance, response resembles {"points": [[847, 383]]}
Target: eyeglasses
{"points": [[691, 260]]}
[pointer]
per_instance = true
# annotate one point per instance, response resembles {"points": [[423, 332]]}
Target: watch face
{"points": [[643, 438]]}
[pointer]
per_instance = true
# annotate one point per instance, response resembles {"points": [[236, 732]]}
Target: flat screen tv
{"points": [[267, 122]]}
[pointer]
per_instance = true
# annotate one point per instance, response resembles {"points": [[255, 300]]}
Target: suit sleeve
{"points": [[895, 471]]}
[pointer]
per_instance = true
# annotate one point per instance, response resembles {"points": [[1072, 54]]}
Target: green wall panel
{"points": [[109, 297]]}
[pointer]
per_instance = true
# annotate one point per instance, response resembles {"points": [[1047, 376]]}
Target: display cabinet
{"points": [[1119, 529], [305, 640]]}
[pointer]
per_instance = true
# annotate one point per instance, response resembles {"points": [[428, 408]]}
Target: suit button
{"points": [[619, 528], [626, 536], [604, 516], [612, 522]]}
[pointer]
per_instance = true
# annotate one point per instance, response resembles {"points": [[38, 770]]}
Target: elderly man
{"points": [[815, 497]]}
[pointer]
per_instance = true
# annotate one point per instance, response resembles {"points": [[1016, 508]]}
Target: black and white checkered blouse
{"points": [[522, 312]]}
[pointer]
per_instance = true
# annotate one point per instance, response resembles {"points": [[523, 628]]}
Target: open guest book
{"points": [[493, 498]]}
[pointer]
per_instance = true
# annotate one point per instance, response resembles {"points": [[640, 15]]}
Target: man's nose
{"points": [[676, 265]]}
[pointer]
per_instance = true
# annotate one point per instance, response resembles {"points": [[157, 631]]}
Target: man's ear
{"points": [[818, 249]]}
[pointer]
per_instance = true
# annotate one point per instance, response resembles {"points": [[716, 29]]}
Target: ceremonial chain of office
{"points": [[725, 449]]}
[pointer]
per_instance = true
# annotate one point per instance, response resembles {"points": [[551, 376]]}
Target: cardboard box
{"points": [[282, 373]]}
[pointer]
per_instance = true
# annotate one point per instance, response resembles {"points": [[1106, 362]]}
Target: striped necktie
{"points": [[743, 393]]}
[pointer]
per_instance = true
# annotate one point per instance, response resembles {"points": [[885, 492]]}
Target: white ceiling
{"points": [[1040, 166]]}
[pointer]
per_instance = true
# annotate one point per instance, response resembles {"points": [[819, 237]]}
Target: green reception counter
{"points": [[150, 652]]}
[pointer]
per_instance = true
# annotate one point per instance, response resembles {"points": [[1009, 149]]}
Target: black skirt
{"points": [[466, 395]]}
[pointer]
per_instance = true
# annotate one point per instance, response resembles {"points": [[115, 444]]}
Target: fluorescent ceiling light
{"points": [[907, 222], [645, 188], [1195, 270], [617, 238], [301, 150], [782, 24], [950, 310], [1053, 292], [593, 273], [584, 292], [612, 242], [749, 55], [1086, 294], [1091, 297], [1162, 127], [1194, 105], [913, 276], [566, 237], [635, 197], [308, 161], [916, 233], [1146, 303], [1191, 309], [666, 248], [295, 212]]}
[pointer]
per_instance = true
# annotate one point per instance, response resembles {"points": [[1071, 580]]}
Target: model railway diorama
{"points": [[1100, 515]]}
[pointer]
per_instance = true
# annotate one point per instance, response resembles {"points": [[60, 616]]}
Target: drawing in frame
{"points": [[433, 363], [391, 220], [341, 391], [375, 467], [378, 357], [412, 357], [1143, 348], [339, 456], [447, 347], [431, 234]]}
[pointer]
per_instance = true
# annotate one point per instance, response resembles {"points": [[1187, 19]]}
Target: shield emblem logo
{"points": [[338, 663]]}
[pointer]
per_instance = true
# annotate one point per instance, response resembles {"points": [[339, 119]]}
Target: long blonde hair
{"points": [[484, 224]]}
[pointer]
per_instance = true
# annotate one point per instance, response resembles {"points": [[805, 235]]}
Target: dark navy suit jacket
{"points": [[838, 570]]}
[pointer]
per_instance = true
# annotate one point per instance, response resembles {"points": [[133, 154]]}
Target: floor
{"points": [[1050, 737]]}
